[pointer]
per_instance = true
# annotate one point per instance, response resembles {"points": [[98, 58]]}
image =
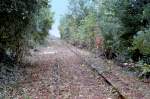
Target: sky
{"points": [[59, 7]]}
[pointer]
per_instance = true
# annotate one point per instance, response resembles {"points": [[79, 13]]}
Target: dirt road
{"points": [[58, 73]]}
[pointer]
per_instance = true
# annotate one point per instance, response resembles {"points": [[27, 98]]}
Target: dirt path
{"points": [[58, 73]]}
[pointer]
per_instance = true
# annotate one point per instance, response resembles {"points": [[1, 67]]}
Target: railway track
{"points": [[124, 89], [115, 90]]}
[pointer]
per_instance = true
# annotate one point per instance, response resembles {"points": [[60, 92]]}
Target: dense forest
{"points": [[122, 26], [23, 25]]}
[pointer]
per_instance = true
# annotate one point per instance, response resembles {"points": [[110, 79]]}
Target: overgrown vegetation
{"points": [[79, 25], [23, 23], [123, 24]]}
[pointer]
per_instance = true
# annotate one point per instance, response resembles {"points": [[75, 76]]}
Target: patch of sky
{"points": [[59, 7]]}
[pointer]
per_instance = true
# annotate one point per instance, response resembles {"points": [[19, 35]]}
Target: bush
{"points": [[79, 26], [20, 22], [145, 71], [142, 69], [141, 42]]}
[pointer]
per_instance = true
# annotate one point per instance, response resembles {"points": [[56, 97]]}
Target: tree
{"points": [[79, 24], [119, 22], [17, 21]]}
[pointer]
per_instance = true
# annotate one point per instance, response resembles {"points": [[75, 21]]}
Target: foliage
{"points": [[142, 42], [128, 34], [120, 22], [143, 69], [68, 27], [79, 25], [87, 30], [124, 25], [42, 23], [18, 20], [111, 28]]}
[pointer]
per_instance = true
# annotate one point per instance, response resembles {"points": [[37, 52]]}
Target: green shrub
{"points": [[142, 69], [145, 71], [141, 43], [79, 26], [146, 13]]}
